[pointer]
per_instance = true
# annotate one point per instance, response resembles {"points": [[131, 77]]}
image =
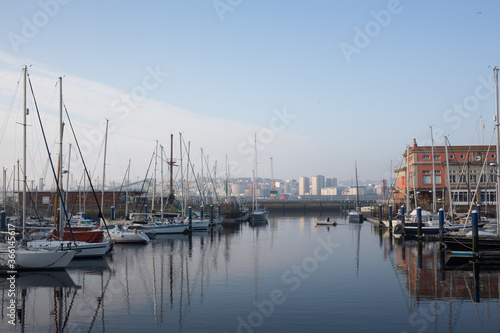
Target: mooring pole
{"points": [[419, 222]]}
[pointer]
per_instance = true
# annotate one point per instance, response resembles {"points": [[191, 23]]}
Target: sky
{"points": [[318, 84]]}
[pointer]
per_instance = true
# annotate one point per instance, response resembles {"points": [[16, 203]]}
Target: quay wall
{"points": [[309, 206]]}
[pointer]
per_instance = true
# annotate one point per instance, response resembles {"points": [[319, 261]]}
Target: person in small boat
{"points": [[327, 219]]}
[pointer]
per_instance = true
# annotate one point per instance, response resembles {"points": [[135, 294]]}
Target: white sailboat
{"points": [[121, 234], [259, 214], [356, 216], [18, 256]]}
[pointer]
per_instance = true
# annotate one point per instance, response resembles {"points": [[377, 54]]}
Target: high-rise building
{"points": [[303, 185], [331, 182], [318, 182]]}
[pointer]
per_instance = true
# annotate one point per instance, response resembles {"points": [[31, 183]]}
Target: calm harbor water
{"points": [[284, 276]]}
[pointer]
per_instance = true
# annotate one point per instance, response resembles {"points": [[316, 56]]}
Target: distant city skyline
{"points": [[319, 86]]}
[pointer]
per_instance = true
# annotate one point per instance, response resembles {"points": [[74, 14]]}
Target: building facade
{"points": [[318, 182], [303, 185], [463, 176]]}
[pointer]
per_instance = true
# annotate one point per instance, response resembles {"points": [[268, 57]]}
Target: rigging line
{"points": [[211, 178], [98, 156], [117, 156], [10, 108], [144, 183], [474, 303], [51, 163], [69, 310], [479, 182], [194, 175], [101, 215], [100, 301], [461, 166]]}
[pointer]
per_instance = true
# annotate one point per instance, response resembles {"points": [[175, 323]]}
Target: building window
{"points": [[426, 157], [462, 156], [463, 178], [452, 156], [437, 157], [459, 197], [426, 177], [490, 196], [473, 178], [493, 156], [482, 179], [453, 179]]}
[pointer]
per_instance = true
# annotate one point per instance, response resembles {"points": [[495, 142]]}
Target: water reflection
{"points": [[433, 281], [189, 283]]}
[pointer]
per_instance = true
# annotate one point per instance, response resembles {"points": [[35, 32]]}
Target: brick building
{"points": [[472, 176]]}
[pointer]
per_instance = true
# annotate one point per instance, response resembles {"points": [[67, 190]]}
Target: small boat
{"points": [[260, 215], [199, 224], [120, 234], [326, 222], [355, 217]]}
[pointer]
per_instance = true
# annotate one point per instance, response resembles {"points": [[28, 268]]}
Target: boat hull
{"points": [[38, 258], [461, 243], [355, 218], [85, 250], [170, 229], [260, 215]]}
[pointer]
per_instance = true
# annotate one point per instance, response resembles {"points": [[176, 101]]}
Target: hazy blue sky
{"points": [[322, 83]]}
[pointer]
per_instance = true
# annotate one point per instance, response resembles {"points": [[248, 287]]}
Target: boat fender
{"points": [[399, 229]]}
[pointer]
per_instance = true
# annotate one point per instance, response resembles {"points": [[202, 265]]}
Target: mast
{"points": [[255, 175], [104, 163], [498, 147], [448, 175], [433, 176], [126, 190], [61, 215], [407, 179], [182, 175], [202, 186], [4, 187], [187, 171], [357, 191], [67, 180], [161, 176], [154, 178], [25, 111], [171, 163]]}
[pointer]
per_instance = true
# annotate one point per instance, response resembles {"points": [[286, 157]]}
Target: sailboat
{"points": [[18, 256], [356, 216], [488, 244], [259, 214]]}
